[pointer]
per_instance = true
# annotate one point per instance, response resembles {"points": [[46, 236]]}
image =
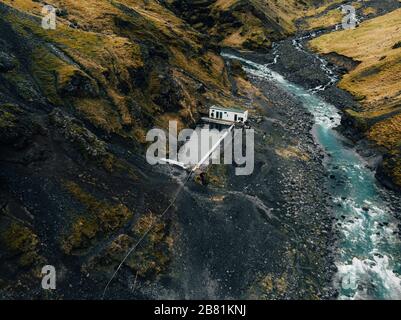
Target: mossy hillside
{"points": [[149, 259], [59, 77], [22, 242], [153, 256], [320, 9], [371, 44], [90, 51], [328, 19], [111, 216], [107, 48], [251, 24], [100, 216], [8, 116], [89, 146], [252, 35], [217, 175], [326, 15], [44, 62], [392, 168], [183, 45], [141, 70], [329, 13], [21, 84], [17, 126], [82, 232], [387, 133]]}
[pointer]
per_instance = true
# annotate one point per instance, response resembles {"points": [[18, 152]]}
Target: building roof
{"points": [[227, 109]]}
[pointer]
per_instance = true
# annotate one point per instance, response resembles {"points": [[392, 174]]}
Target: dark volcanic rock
{"points": [[78, 84], [7, 62], [347, 64]]}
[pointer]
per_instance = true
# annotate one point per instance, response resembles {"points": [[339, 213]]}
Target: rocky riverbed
{"points": [[324, 85], [298, 64]]}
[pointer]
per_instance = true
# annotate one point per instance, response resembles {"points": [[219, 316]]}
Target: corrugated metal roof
{"points": [[228, 109]]}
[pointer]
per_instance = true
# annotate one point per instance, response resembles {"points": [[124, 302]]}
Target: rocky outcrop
{"points": [[345, 64]]}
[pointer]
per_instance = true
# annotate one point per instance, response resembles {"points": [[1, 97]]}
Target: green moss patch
{"points": [[23, 242], [8, 116], [100, 216], [153, 255], [149, 259]]}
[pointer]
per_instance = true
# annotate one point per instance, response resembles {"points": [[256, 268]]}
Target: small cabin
{"points": [[232, 115]]}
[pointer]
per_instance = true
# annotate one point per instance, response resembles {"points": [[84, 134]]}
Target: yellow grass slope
{"points": [[106, 40], [376, 81]]}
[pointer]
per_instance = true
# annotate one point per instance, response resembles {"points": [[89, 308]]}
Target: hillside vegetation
{"points": [[245, 24], [136, 61], [75, 105], [375, 82], [330, 13]]}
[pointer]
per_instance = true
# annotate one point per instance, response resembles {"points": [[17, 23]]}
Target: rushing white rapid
{"points": [[369, 250]]}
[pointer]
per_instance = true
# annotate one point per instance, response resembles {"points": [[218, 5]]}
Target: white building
{"points": [[232, 115]]}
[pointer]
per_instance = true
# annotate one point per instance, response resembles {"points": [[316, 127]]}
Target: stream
{"points": [[368, 248]]}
